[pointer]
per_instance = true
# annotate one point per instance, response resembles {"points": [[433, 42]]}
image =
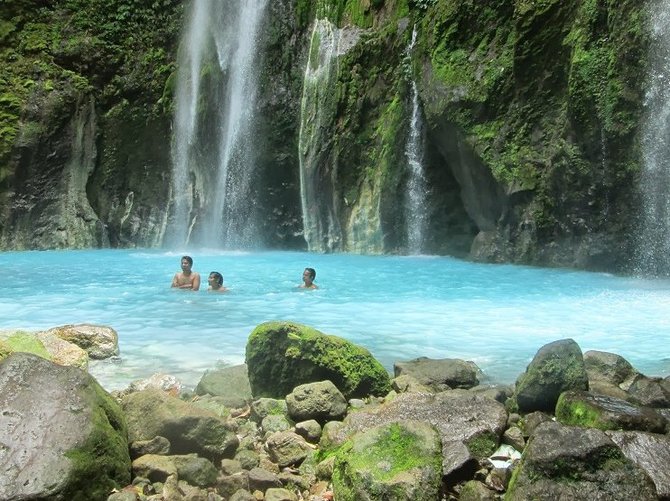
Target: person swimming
{"points": [[215, 281], [308, 277], [187, 279]]}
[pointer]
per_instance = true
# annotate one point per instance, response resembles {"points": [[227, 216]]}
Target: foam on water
{"points": [[397, 307]]}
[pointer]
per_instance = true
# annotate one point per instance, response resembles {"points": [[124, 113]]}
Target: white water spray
{"points": [[417, 186], [213, 161]]}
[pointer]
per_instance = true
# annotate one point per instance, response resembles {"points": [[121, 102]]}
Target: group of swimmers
{"points": [[187, 279]]}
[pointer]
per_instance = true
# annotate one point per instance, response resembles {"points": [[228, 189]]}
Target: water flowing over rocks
{"points": [[310, 444]]}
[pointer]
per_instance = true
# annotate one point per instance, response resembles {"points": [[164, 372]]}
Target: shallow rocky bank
{"points": [[314, 417]]}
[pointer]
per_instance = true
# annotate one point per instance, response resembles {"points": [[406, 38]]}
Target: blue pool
{"points": [[397, 307]]}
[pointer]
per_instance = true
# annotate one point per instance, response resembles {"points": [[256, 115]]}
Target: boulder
{"points": [[98, 341], [651, 392], [25, 342], [152, 413], [63, 352], [582, 408], [287, 448], [441, 374], [557, 367], [407, 383], [470, 426], [399, 460], [189, 467], [321, 401], [565, 462], [230, 383], [62, 436], [282, 355], [609, 368], [266, 406], [649, 451], [164, 382]]}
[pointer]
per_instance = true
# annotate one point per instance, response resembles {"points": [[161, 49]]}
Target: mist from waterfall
{"points": [[654, 242], [212, 147], [321, 227], [417, 186]]}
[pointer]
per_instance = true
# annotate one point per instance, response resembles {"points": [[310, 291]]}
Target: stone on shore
{"points": [[188, 428], [582, 408], [98, 341], [283, 355], [321, 401], [188, 467], [63, 352], [565, 462], [441, 374], [556, 367], [63, 436], [399, 460], [229, 383]]}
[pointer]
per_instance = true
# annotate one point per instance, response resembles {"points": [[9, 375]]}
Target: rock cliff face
{"points": [[530, 110]]}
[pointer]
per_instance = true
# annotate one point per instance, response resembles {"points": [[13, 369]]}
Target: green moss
{"points": [[482, 446], [580, 413], [27, 343], [102, 463]]}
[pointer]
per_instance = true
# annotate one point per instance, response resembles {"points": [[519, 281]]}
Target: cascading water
{"points": [[417, 186], [654, 243], [321, 227], [213, 161]]}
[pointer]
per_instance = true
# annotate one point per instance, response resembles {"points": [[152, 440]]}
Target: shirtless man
{"points": [[187, 279], [215, 281], [308, 277]]}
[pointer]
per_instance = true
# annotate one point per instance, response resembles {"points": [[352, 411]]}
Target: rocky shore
{"points": [[315, 417]]}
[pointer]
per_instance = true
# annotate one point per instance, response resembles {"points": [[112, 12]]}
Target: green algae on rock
{"points": [[282, 355]]}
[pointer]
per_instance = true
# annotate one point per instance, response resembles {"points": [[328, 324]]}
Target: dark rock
{"points": [[606, 413], [564, 462], [557, 367], [476, 491], [440, 375], [230, 383], [152, 413], [650, 452], [310, 430], [533, 420], [157, 445], [227, 485], [281, 355], [649, 392], [261, 480], [190, 468], [63, 436]]}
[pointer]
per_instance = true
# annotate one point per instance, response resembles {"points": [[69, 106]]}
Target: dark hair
{"points": [[189, 259], [217, 276], [312, 272]]}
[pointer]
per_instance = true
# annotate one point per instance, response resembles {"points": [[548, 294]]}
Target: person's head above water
{"points": [[215, 279], [186, 263], [308, 277]]}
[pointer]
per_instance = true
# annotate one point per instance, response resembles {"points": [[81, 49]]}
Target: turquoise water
{"points": [[397, 307]]}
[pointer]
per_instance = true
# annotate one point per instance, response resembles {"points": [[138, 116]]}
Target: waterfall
{"points": [[321, 227], [212, 148], [417, 186], [654, 243]]}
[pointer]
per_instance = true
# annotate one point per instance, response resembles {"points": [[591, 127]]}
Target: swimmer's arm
{"points": [[195, 285], [175, 281]]}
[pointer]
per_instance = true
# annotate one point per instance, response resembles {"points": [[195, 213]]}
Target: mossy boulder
{"points": [[400, 460], [556, 367], [582, 408], [26, 342], [63, 436], [566, 462], [283, 355]]}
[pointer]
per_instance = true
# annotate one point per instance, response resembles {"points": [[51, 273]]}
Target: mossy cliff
{"points": [[531, 112]]}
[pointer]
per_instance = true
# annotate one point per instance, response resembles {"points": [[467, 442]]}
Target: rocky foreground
{"points": [[314, 417]]}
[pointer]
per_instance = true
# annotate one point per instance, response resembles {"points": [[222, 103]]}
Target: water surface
{"points": [[397, 307]]}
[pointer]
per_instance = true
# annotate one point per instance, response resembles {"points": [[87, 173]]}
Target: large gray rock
{"points": [[461, 418], [283, 355], [61, 435], [400, 460], [587, 409], [608, 373], [565, 462], [230, 383], [649, 451], [321, 401], [441, 374], [188, 467], [189, 428], [556, 367], [98, 341], [652, 392]]}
